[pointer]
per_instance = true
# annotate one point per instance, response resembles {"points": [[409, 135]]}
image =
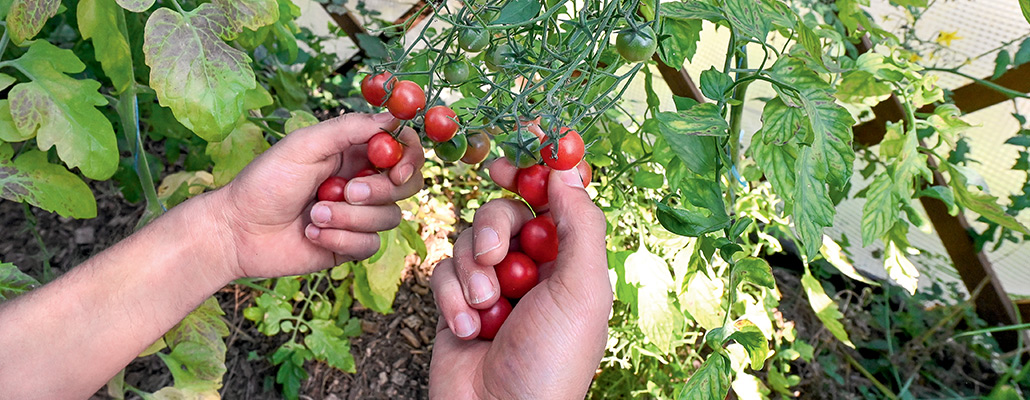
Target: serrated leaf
{"points": [[899, 268], [1023, 54], [31, 178], [810, 41], [711, 381], [880, 211], [250, 14], [753, 340], [825, 308], [376, 279], [944, 194], [326, 342], [13, 282], [715, 84], [813, 209], [660, 321], [202, 79], [61, 111], [238, 149], [26, 18], [831, 128], [747, 17], [102, 21], [678, 39], [834, 254], [257, 97], [136, 5], [909, 165], [700, 120], [299, 119], [782, 124], [753, 270], [777, 161], [1001, 63], [176, 188], [197, 343], [861, 87], [981, 203]]}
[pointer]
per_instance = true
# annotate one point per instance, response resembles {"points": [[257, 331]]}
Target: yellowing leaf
{"points": [[660, 321], [299, 119], [825, 308], [31, 178], [13, 282], [703, 300], [813, 209], [136, 5], [238, 149], [201, 78], [26, 18], [900, 269], [102, 21], [834, 255], [250, 14]]}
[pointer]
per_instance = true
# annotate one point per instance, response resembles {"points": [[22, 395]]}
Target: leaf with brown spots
{"points": [[31, 178]]}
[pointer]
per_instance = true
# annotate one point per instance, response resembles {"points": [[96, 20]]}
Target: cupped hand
{"points": [[275, 227], [551, 344]]}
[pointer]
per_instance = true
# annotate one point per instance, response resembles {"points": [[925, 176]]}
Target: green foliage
{"points": [[13, 282]]}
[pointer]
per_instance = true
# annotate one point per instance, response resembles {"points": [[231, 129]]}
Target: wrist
{"points": [[210, 222]]}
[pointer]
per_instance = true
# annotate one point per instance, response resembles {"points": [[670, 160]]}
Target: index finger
{"points": [[332, 137]]}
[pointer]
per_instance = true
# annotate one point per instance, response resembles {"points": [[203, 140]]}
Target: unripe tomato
{"points": [[384, 151], [441, 123], [452, 150], [637, 45], [492, 318], [373, 88], [498, 57], [332, 189], [519, 158], [478, 148], [406, 100], [516, 274], [532, 184], [456, 72], [539, 239], [473, 40], [569, 153]]}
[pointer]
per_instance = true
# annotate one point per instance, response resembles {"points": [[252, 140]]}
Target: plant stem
{"points": [[3, 41], [883, 389], [1003, 90], [48, 274], [178, 7]]}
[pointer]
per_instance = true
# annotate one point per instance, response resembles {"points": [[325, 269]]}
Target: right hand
{"points": [[551, 344]]}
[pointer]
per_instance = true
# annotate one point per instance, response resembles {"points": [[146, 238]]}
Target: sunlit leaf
{"points": [[747, 17], [982, 203], [250, 14], [834, 254], [299, 119], [703, 300], [327, 343], [136, 5], [899, 268], [678, 39], [753, 270], [825, 308], [880, 211], [813, 209], [102, 21], [660, 320], [26, 18], [749, 336], [31, 178], [711, 381]]}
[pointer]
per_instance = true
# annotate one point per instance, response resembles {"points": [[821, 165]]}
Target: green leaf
{"points": [[409, 231], [238, 149], [26, 18], [747, 17], [6, 81], [711, 381], [782, 124], [1023, 54], [678, 41], [1001, 63], [269, 312], [810, 41], [981, 203], [909, 165], [834, 254], [376, 279], [942, 193], [692, 10], [31, 178], [517, 11], [299, 119], [256, 98], [703, 213], [648, 180], [909, 3], [202, 79], [8, 132], [290, 358], [880, 211], [136, 5], [753, 340], [700, 120], [831, 127], [250, 14], [753, 270], [715, 85], [197, 347], [327, 343], [777, 161], [813, 209], [61, 111], [825, 308], [660, 320], [103, 21], [13, 282], [862, 87], [1024, 5]]}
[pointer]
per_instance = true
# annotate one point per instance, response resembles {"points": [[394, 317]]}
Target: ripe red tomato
{"points": [[532, 184], [570, 150], [384, 151], [516, 274], [332, 189], [406, 100], [539, 240], [492, 318], [585, 172], [478, 148], [373, 88], [365, 172], [441, 123]]}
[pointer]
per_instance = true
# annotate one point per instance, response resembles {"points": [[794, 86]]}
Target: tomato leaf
{"points": [[747, 17], [326, 341], [782, 123], [8, 131], [250, 14], [715, 85], [711, 381], [813, 209], [13, 282], [753, 340], [898, 266], [834, 255], [678, 39], [981, 203], [376, 279], [238, 149], [26, 18], [299, 119], [825, 308], [660, 320], [777, 160], [104, 22], [1024, 5], [202, 79], [692, 10], [703, 299], [880, 211], [6, 81], [61, 111], [516, 11], [136, 6], [197, 360], [753, 270], [290, 358], [31, 178]]}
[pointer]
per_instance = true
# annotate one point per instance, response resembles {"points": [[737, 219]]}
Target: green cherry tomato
{"points": [[452, 150], [473, 40], [518, 157], [456, 72], [637, 45], [498, 57]]}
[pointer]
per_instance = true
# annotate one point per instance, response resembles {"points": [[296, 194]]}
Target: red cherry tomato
{"points": [[585, 172], [373, 88], [516, 274], [492, 318], [332, 189], [539, 240], [365, 172], [384, 151], [406, 100], [570, 150], [532, 184], [441, 123]]}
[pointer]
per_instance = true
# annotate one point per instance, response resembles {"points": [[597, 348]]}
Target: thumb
{"points": [[333, 136], [582, 264]]}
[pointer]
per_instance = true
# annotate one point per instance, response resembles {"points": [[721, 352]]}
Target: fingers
{"points": [[411, 161], [493, 226], [503, 173], [332, 137], [349, 217], [459, 317], [352, 245], [378, 189], [478, 281], [582, 264]]}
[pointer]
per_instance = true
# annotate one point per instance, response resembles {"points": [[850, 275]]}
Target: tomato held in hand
{"points": [[406, 100], [332, 189], [570, 150], [441, 123], [539, 240], [365, 172], [532, 184], [451, 150], [585, 172], [636, 45], [478, 148], [516, 274], [384, 151], [492, 318], [373, 88]]}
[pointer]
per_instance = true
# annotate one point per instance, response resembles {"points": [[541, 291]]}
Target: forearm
{"points": [[73, 335]]}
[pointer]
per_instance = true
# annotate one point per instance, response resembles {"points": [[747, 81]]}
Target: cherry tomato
{"points": [[492, 318], [332, 189], [539, 240], [585, 172], [452, 150], [519, 157], [473, 40], [570, 150], [478, 148], [384, 151], [365, 172], [498, 57], [373, 88], [532, 184], [636, 45], [456, 72], [406, 100], [441, 123], [516, 274]]}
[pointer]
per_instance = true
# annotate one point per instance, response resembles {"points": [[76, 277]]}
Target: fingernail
{"points": [[486, 240], [312, 232], [321, 214], [357, 192], [406, 171], [571, 178], [382, 117], [463, 325], [480, 288]]}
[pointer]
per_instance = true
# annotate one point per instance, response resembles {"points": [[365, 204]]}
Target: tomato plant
{"points": [[332, 189], [384, 151], [406, 100], [492, 318], [637, 44], [516, 275], [440, 123], [375, 87]]}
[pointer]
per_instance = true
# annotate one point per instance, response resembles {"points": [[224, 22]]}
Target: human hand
{"points": [[273, 225], [551, 344]]}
